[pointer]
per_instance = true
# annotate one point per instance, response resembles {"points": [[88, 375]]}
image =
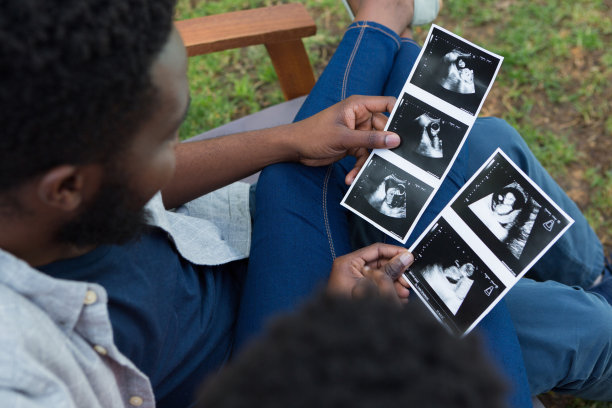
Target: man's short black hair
{"points": [[74, 79], [363, 353]]}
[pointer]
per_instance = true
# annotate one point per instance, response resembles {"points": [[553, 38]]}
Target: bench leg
{"points": [[292, 67]]}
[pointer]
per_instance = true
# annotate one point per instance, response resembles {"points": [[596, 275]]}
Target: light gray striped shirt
{"points": [[56, 340]]}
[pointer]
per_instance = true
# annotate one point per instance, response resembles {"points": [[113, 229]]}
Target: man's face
{"points": [[116, 212]]}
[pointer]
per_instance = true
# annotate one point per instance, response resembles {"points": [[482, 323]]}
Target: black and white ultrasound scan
{"points": [[496, 226], [457, 283], [388, 197], [488, 236], [456, 71], [513, 215], [432, 128], [430, 138]]}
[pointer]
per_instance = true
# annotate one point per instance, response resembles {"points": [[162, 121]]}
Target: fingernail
{"points": [[406, 258], [392, 140]]}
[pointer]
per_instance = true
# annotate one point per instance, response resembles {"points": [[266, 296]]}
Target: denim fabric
{"points": [[300, 227], [174, 320], [56, 344], [565, 332]]}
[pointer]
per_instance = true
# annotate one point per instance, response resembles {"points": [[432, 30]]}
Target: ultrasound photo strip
{"points": [[387, 196], [488, 236], [430, 138], [455, 283], [510, 213], [456, 71], [432, 126]]}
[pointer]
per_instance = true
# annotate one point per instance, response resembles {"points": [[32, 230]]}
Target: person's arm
{"points": [[347, 128]]}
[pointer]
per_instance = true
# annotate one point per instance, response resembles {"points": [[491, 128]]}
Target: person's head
{"points": [[434, 128], [467, 270], [432, 125], [452, 273], [395, 192], [464, 60], [361, 353], [93, 92], [507, 200]]}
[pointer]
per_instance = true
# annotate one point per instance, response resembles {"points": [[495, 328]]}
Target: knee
{"points": [[495, 132], [588, 341], [276, 176], [598, 335], [286, 174], [590, 373], [565, 337], [283, 183], [488, 134], [280, 182]]}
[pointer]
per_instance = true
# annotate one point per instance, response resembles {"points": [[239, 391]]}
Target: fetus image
{"points": [[509, 214], [499, 211], [457, 75], [389, 198], [451, 284], [430, 144]]}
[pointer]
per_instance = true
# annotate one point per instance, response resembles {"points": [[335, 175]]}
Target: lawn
{"points": [[554, 86]]}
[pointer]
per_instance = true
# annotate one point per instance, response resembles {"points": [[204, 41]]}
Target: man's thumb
{"points": [[375, 139], [398, 264]]}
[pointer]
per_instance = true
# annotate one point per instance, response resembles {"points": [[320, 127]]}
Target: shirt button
{"points": [[136, 401], [100, 350], [90, 297]]}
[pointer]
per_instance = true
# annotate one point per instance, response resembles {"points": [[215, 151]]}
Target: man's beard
{"points": [[112, 217]]}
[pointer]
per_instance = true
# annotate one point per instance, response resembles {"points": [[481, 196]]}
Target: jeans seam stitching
{"points": [[350, 63], [325, 217], [397, 42], [408, 40]]}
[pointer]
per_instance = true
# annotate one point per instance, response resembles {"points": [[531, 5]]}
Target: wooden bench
{"points": [[280, 28]]}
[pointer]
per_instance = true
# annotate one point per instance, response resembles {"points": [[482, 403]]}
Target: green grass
{"points": [[554, 86], [230, 84]]}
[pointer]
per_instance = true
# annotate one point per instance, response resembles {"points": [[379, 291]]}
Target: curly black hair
{"points": [[74, 79], [363, 353]]}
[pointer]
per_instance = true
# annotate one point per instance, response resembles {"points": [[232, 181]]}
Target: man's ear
{"points": [[67, 187]]}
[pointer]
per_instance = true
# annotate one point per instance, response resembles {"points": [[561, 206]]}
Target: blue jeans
{"points": [[300, 227], [565, 332]]}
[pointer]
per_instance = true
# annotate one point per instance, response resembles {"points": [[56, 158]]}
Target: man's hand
{"points": [[377, 266], [350, 127]]}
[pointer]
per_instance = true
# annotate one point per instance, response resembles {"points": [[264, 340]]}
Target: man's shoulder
{"points": [[35, 354], [14, 308], [21, 320], [28, 333]]}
